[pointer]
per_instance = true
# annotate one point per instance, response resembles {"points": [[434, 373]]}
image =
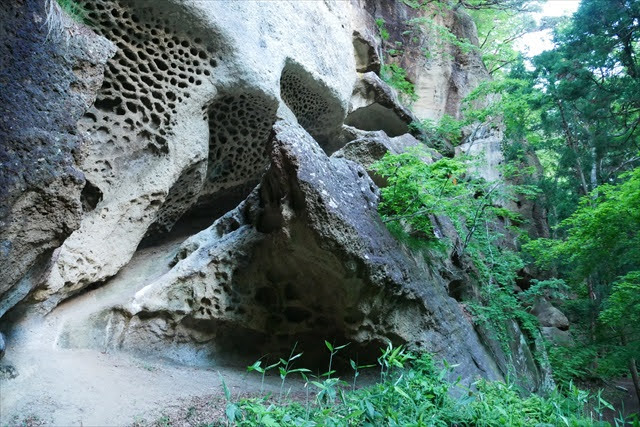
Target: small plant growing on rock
{"points": [[384, 34], [396, 77]]}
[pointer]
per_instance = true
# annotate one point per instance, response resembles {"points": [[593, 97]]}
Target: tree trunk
{"points": [[592, 321], [594, 169], [633, 368], [572, 144]]}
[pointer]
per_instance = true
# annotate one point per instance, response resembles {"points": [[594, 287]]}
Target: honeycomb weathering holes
{"points": [[239, 129], [158, 65], [317, 111], [151, 73]]}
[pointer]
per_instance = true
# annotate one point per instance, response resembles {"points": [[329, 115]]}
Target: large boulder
{"points": [[304, 258], [375, 106], [550, 316]]}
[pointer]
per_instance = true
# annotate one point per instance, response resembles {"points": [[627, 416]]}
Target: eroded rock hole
{"points": [[457, 290], [132, 103], [239, 141], [90, 196], [317, 111], [376, 117]]}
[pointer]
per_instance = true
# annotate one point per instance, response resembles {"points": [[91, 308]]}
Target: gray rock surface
{"points": [[225, 111], [375, 106], [367, 148], [304, 258], [151, 157], [557, 336], [50, 74], [550, 316], [366, 50]]}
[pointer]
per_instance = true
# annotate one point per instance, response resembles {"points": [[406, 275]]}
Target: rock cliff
{"points": [[233, 137]]}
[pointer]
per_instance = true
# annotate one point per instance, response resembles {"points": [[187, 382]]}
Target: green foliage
{"points": [[435, 134], [600, 259], [554, 289], [571, 363], [498, 29], [623, 305], [440, 38], [73, 9], [396, 77], [418, 393], [257, 367], [384, 34], [602, 235], [286, 367], [579, 110], [418, 191], [507, 101], [414, 4]]}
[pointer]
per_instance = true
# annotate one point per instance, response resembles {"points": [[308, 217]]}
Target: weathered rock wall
{"points": [[50, 74], [443, 74], [228, 112]]}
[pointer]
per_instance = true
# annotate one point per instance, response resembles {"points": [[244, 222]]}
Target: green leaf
{"points": [[256, 367], [231, 412]]}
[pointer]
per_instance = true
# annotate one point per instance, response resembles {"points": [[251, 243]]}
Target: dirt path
{"points": [[77, 386]]}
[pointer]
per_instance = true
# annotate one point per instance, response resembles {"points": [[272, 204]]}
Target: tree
{"points": [[498, 29], [600, 259], [591, 84]]}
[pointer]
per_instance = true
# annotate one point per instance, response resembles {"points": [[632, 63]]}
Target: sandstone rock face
{"points": [[443, 75], [485, 142], [366, 50], [228, 112], [184, 115], [375, 106], [49, 77], [304, 258]]}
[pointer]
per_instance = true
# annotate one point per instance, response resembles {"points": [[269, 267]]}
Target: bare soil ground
{"points": [[42, 383], [45, 380], [66, 387]]}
